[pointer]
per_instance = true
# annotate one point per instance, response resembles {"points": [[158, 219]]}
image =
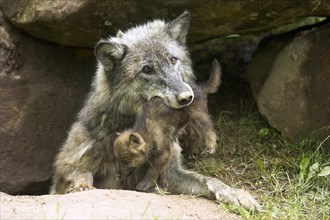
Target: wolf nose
{"points": [[185, 98]]}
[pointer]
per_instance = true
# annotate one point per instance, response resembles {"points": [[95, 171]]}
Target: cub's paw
{"points": [[145, 186], [81, 187], [239, 197]]}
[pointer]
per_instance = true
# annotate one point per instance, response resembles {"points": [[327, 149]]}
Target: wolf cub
{"points": [[151, 138]]}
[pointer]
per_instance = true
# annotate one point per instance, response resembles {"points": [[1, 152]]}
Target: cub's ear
{"points": [[135, 138], [108, 51], [178, 28]]}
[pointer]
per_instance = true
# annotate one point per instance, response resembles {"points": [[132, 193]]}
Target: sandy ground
{"points": [[110, 204]]}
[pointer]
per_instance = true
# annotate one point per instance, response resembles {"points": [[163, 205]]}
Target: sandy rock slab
{"points": [[110, 204]]}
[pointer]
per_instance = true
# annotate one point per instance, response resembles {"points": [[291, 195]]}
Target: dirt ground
{"points": [[110, 204]]}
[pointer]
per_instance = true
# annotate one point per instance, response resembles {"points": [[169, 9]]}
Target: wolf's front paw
{"points": [[239, 197], [83, 186], [224, 193]]}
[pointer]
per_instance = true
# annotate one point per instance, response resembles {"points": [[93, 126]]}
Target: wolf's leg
{"points": [[193, 140], [74, 164], [201, 132], [210, 139], [124, 173], [71, 179], [157, 168], [182, 181], [81, 180], [76, 180], [148, 180]]}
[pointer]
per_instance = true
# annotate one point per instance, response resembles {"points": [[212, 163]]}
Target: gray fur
{"points": [[117, 96]]}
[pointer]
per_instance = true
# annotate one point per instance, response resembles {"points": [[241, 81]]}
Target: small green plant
{"points": [[58, 215], [263, 132], [261, 166], [238, 210], [160, 190]]}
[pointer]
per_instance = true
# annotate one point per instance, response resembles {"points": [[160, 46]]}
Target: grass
{"points": [[59, 216], [291, 181]]}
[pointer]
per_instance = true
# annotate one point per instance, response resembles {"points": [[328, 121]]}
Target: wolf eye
{"points": [[173, 60], [146, 69]]}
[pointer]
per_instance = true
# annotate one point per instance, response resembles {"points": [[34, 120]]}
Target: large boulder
{"points": [[290, 79], [42, 86], [83, 22]]}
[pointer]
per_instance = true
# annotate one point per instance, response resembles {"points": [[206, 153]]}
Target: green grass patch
{"points": [[291, 181]]}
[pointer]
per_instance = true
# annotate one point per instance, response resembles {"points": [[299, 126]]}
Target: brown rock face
{"points": [[290, 78], [42, 86], [83, 22]]}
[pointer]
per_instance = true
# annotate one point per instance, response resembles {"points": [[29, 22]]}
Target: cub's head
{"points": [[150, 60], [130, 149]]}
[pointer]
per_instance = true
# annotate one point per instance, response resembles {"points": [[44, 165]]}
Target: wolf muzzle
{"points": [[184, 98]]}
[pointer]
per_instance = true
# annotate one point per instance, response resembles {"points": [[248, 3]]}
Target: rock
{"points": [[42, 87], [83, 22], [290, 79]]}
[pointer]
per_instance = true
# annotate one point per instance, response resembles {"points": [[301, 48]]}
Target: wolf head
{"points": [[148, 61]]}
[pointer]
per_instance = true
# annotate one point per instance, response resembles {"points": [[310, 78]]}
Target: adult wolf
{"points": [[146, 61]]}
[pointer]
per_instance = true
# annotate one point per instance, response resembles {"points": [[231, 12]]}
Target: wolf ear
{"points": [[109, 51], [178, 28]]}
